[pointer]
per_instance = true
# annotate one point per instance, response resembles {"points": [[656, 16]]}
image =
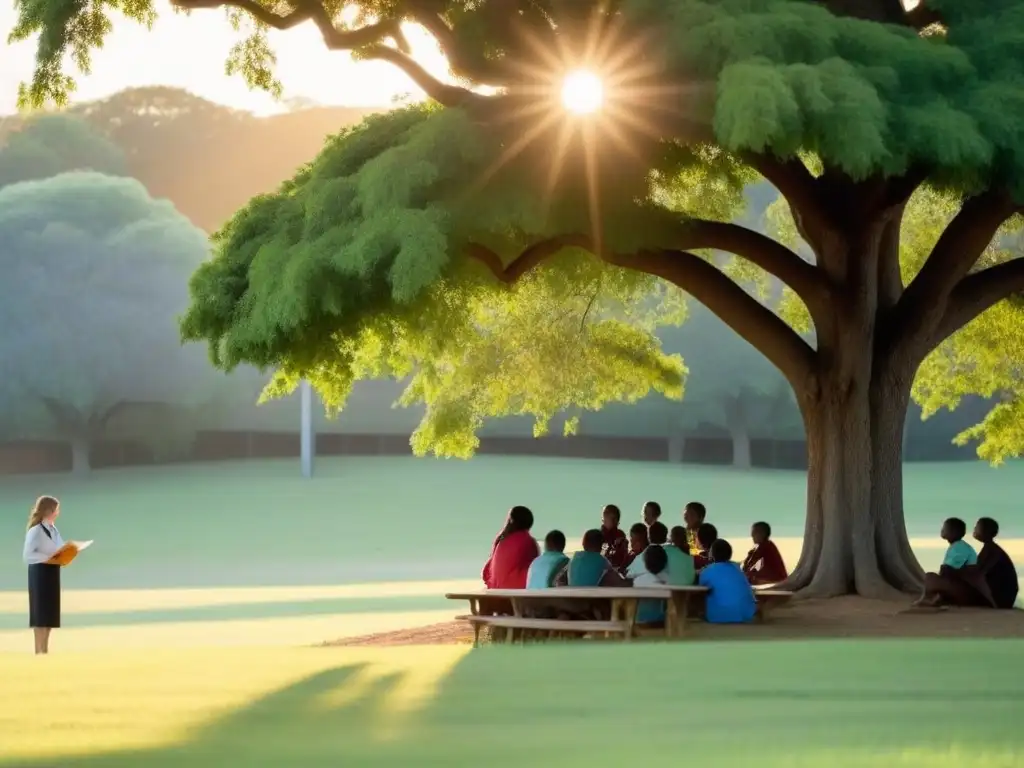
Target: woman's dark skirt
{"points": [[44, 596]]}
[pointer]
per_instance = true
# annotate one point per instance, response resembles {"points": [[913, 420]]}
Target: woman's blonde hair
{"points": [[44, 508]]}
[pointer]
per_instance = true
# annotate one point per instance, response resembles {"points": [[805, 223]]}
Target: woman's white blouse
{"points": [[38, 546]]}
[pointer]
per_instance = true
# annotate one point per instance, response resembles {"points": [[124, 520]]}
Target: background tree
{"points": [[168, 133], [730, 385], [46, 145], [95, 275], [845, 106]]}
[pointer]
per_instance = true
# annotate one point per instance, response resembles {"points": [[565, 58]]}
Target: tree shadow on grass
{"points": [[779, 705]]}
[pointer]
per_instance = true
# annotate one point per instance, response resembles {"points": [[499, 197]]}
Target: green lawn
{"points": [[178, 649], [252, 554], [794, 704], [395, 519]]}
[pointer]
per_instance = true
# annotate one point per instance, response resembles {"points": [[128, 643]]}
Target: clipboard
{"points": [[68, 552]]}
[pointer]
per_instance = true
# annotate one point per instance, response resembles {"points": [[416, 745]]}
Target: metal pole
{"points": [[308, 436]]}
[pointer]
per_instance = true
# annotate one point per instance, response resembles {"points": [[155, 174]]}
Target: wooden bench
{"points": [[520, 627], [624, 603], [769, 599]]}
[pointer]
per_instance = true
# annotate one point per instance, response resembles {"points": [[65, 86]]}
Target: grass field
{"points": [[183, 628], [251, 553], [774, 704]]}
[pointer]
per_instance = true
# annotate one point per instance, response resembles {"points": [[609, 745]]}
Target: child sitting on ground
{"points": [[730, 597], [681, 570], [948, 585], [589, 568], [693, 517], [707, 535], [546, 569], [651, 613], [614, 545], [638, 542], [764, 564]]}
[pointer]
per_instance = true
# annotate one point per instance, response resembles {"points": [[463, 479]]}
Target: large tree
{"points": [[95, 274], [364, 262]]}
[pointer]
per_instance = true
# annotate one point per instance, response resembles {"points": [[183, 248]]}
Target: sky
{"points": [[189, 52]]}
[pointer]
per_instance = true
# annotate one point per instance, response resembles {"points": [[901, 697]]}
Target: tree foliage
{"points": [[354, 270], [95, 274]]}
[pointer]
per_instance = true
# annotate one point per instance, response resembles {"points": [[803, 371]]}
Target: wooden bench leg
{"points": [[476, 634]]}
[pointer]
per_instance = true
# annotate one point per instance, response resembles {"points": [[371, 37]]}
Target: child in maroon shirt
{"points": [[614, 545], [764, 564]]}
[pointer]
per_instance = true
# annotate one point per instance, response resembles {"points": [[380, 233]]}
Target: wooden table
{"points": [[624, 601]]}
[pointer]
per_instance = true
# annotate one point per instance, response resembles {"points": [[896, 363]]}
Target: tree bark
{"points": [[741, 448], [736, 420], [855, 539], [80, 464]]}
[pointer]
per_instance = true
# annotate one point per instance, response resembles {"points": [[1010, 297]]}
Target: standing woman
{"points": [[42, 540]]}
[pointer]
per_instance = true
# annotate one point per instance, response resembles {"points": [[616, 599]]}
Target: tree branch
{"points": [[801, 190], [977, 293], [921, 16], [479, 70], [806, 280], [958, 249], [757, 324], [761, 327], [369, 38]]}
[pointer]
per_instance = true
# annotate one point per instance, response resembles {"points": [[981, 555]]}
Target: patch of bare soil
{"points": [[836, 618]]}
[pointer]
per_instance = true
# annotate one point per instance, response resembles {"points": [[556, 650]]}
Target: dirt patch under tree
{"points": [[843, 617]]}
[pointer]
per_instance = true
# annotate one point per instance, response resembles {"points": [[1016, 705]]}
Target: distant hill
{"points": [[208, 159]]}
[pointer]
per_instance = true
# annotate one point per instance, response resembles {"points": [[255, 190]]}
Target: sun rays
{"points": [[596, 96]]}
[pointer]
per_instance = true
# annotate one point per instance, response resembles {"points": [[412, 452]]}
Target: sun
{"points": [[582, 92]]}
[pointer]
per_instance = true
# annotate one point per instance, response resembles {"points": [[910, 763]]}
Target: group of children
{"points": [[651, 555], [969, 578]]}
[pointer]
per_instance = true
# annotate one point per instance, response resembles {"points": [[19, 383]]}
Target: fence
{"points": [[28, 457]]}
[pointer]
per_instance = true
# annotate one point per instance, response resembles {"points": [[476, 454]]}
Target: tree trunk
{"points": [[676, 447], [740, 446], [855, 539], [80, 456]]}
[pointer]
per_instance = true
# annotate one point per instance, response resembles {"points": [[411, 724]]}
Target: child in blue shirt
{"points": [[546, 569], [949, 584], [730, 598]]}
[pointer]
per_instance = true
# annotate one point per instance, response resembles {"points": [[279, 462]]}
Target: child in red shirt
{"points": [[764, 564], [614, 545]]}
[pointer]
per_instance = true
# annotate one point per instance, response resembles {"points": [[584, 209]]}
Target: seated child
{"points": [[658, 536], [638, 542], [614, 544], [707, 534], [730, 597], [545, 570], [764, 564], [693, 517], [589, 568], [949, 585], [995, 566], [681, 570], [651, 513], [651, 613]]}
